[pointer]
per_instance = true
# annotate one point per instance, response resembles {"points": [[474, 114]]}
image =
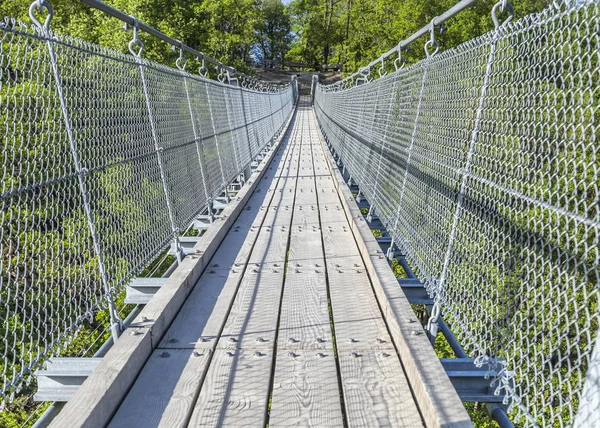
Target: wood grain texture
{"points": [[235, 391], [438, 401], [358, 321], [201, 318], [102, 392], [252, 321], [304, 311], [164, 392], [376, 393], [306, 248], [305, 391]]}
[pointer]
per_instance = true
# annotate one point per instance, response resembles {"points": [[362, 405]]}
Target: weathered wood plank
{"points": [[100, 395], [164, 392], [305, 390], [438, 401], [235, 391], [252, 321], [376, 393], [358, 321], [200, 321], [304, 322], [98, 398]]}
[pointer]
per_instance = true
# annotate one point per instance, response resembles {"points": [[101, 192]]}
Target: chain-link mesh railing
{"points": [[105, 157], [483, 163]]}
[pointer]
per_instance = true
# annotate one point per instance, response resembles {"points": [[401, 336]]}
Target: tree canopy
{"points": [[311, 32]]}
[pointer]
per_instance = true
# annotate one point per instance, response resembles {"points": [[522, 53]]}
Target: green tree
{"points": [[274, 31]]}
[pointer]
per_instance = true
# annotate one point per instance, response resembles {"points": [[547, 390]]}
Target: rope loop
{"points": [[40, 5]]}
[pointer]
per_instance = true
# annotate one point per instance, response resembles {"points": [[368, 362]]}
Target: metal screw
{"points": [[135, 332], [231, 354], [145, 319], [197, 354], [202, 339], [410, 320], [378, 340], [416, 332], [351, 340], [260, 339], [173, 340], [257, 354], [165, 355], [355, 354], [385, 354], [320, 355], [232, 339], [319, 340], [292, 340]]}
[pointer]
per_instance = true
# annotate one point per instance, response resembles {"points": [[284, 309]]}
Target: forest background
{"points": [[307, 32]]}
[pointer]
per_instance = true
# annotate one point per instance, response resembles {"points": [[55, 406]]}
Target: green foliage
{"points": [[353, 33], [274, 30]]}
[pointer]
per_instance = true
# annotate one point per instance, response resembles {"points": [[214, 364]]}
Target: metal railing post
{"points": [[81, 172]]}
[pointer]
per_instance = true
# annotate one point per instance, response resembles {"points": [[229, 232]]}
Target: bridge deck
{"points": [[283, 327]]}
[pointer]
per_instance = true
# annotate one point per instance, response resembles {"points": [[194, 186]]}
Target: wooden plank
{"points": [[305, 388], [236, 389], [376, 393], [235, 392], [101, 394], [304, 392], [438, 401], [252, 321], [304, 311], [163, 394], [358, 321], [338, 239], [202, 317], [94, 403], [199, 323], [306, 248]]}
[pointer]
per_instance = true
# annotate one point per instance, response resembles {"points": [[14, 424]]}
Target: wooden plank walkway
{"points": [[283, 328]]}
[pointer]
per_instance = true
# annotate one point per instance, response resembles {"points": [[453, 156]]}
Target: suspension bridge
{"points": [[265, 258]]}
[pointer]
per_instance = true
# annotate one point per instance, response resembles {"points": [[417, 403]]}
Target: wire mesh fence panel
{"points": [[104, 156], [483, 163], [251, 115], [201, 111]]}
